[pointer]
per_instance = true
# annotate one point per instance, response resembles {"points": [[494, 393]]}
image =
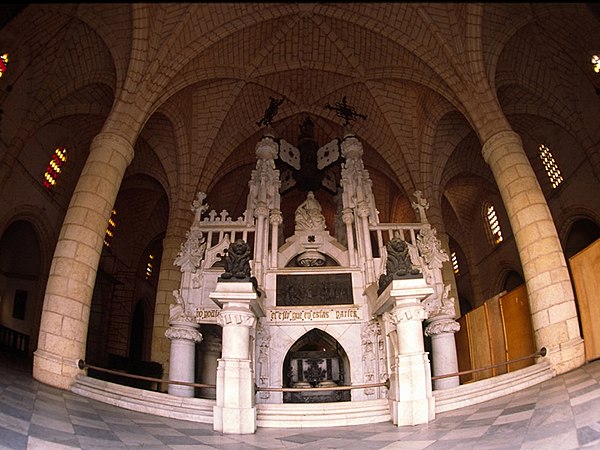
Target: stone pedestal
{"points": [[410, 396], [235, 411], [183, 336]]}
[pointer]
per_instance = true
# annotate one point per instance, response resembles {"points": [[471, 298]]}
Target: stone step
{"points": [[480, 391], [304, 415], [150, 402]]}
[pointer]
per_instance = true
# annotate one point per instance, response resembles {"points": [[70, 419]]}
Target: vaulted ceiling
{"points": [[199, 77]]}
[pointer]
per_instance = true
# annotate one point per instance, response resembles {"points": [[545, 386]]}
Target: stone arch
{"points": [[581, 232], [512, 280], [315, 359]]}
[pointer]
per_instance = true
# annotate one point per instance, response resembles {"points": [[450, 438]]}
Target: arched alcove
{"points": [[582, 233], [512, 280], [316, 359], [137, 337], [20, 265]]}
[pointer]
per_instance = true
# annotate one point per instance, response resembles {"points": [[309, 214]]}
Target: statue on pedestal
{"points": [[237, 261], [398, 264]]}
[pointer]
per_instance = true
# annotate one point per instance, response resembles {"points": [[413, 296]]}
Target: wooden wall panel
{"points": [[585, 269], [497, 341], [463, 350], [479, 342], [518, 330]]}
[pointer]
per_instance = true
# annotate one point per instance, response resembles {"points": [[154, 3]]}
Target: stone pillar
{"points": [[210, 352], [235, 411], [441, 329], [276, 219], [183, 335], [348, 218], [551, 298], [66, 309], [363, 223], [169, 279], [410, 396]]}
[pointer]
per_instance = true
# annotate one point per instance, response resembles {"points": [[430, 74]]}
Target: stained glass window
{"points": [[149, 266], [494, 225], [454, 259], [110, 228], [55, 166], [596, 63], [3, 63], [550, 165]]}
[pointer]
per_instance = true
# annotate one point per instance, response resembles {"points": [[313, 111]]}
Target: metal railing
{"points": [[540, 352], [317, 389], [83, 365]]}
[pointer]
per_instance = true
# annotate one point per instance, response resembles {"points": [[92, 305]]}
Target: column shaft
{"points": [[551, 298], [66, 309]]}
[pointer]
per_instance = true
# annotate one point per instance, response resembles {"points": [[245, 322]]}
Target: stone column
{"points": [[169, 279], [410, 396], [441, 329], [363, 214], [235, 411], [551, 298], [276, 219], [66, 309], [260, 257], [210, 352], [348, 218], [183, 335]]}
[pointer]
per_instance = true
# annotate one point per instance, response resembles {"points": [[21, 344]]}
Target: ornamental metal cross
{"points": [[345, 111]]}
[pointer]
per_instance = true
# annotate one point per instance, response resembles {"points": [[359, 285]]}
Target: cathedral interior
{"points": [[114, 116]]}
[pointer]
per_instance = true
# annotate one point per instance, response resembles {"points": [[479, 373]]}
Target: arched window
{"points": [[596, 63], [550, 165], [454, 259], [149, 266], [110, 229], [3, 64], [493, 225], [55, 167]]}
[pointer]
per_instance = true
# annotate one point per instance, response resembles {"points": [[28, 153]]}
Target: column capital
{"points": [[182, 332], [276, 217], [442, 326], [499, 140]]}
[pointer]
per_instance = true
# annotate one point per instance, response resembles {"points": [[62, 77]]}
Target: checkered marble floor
{"points": [[561, 413]]}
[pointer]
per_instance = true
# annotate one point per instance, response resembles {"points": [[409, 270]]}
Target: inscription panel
{"points": [[295, 315], [314, 290], [207, 315]]}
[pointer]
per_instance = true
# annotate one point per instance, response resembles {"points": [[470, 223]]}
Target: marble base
{"points": [[411, 400], [235, 412]]}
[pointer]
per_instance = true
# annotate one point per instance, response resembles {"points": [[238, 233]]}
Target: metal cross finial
{"points": [[270, 112], [345, 111]]}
